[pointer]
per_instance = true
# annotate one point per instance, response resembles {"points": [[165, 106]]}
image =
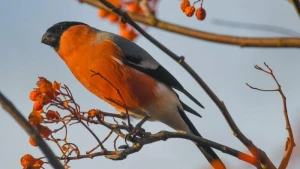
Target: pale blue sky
{"points": [[225, 68]]}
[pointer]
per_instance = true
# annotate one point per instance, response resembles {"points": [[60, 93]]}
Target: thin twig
{"points": [[263, 90], [118, 92], [115, 142], [58, 145], [94, 135], [109, 134], [120, 116]]}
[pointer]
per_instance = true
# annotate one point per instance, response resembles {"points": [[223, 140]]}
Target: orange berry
{"points": [[44, 99], [113, 18], [38, 105], [122, 25], [44, 131], [50, 115], [27, 160], [115, 2], [50, 95], [123, 32], [40, 111], [133, 7], [184, 4], [38, 163], [34, 121], [189, 11], [35, 118], [93, 113], [44, 85], [102, 13], [132, 34], [56, 93], [34, 94], [128, 34], [32, 141], [200, 14], [56, 86]]}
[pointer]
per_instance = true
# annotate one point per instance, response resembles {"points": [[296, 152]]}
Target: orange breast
{"points": [[136, 88]]}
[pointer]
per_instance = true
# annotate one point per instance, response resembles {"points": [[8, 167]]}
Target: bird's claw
{"points": [[134, 132], [137, 130]]}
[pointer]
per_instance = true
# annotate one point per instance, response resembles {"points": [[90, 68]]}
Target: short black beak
{"points": [[48, 39]]}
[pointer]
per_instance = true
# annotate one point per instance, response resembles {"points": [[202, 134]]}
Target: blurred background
{"points": [[225, 68]]}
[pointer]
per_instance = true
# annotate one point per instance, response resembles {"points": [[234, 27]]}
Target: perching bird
{"points": [[145, 85]]}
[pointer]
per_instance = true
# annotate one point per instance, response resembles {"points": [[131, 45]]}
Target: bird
{"points": [[146, 87]]}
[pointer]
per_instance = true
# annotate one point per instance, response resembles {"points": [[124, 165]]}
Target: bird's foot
{"points": [[137, 130]]}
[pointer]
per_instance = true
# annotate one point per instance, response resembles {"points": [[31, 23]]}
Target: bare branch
{"points": [[263, 90], [290, 144]]}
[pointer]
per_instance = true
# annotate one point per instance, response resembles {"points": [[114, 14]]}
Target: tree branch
{"points": [[138, 143], [255, 151], [296, 4], [139, 138], [276, 42], [290, 144], [12, 110], [258, 153]]}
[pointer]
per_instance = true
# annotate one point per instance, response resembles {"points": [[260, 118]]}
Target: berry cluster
{"points": [[53, 95], [42, 96], [131, 6], [45, 92], [189, 9]]}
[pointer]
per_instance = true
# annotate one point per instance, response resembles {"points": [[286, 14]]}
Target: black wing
{"points": [[161, 74], [139, 59]]}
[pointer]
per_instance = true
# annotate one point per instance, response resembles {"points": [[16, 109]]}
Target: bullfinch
{"points": [[146, 87]]}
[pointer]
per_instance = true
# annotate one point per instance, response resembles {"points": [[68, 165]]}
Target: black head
{"points": [[53, 34]]}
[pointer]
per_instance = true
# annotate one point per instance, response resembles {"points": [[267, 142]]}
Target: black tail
{"points": [[208, 152], [188, 109], [192, 98]]}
